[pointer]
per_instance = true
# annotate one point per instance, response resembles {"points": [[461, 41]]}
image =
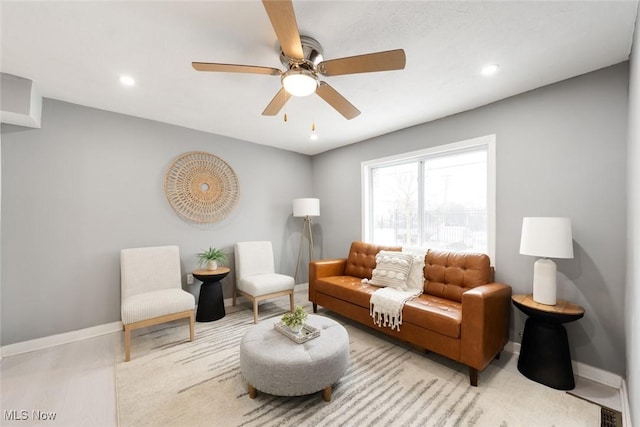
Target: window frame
{"points": [[487, 141]]}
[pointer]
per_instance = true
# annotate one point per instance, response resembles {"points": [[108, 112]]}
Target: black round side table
{"points": [[544, 352], [211, 301]]}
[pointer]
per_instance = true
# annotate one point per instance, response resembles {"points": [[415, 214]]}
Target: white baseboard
{"points": [[512, 347], [68, 337], [581, 369], [58, 339], [596, 374]]}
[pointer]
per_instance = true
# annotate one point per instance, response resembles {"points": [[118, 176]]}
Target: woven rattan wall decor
{"points": [[201, 187]]}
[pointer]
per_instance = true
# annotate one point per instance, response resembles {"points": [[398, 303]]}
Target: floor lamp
{"points": [[305, 208]]}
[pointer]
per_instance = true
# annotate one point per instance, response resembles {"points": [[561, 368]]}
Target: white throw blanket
{"points": [[386, 305]]}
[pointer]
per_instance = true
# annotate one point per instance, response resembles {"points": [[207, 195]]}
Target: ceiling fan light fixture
{"points": [[299, 82]]}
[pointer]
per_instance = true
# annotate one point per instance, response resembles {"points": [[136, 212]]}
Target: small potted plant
{"points": [[211, 257], [295, 320]]}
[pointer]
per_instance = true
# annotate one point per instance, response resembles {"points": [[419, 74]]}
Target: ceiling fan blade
{"points": [[283, 21], [370, 62], [337, 101], [277, 103], [233, 68]]}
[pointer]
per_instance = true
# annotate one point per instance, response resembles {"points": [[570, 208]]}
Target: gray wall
{"points": [[561, 151], [632, 310], [90, 182]]}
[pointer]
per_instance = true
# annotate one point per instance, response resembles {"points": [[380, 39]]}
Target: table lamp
{"points": [[546, 237], [306, 208]]}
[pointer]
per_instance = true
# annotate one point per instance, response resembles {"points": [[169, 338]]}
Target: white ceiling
{"points": [[75, 51]]}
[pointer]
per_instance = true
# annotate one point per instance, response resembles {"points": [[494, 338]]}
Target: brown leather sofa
{"points": [[462, 314]]}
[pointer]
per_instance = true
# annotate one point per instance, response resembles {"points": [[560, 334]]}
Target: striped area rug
{"points": [[172, 382]]}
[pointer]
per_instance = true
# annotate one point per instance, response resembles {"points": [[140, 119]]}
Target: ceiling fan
{"points": [[302, 57]]}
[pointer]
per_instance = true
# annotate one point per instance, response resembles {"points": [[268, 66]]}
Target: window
{"points": [[440, 198]]}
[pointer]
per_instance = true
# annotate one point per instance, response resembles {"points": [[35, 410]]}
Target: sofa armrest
{"points": [[485, 323], [324, 268]]}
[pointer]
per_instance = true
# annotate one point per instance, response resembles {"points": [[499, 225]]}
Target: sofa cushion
{"points": [[392, 269], [436, 314], [362, 259], [449, 274], [346, 288], [429, 312]]}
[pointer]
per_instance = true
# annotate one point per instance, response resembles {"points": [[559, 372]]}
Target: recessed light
{"points": [[490, 69], [127, 80]]}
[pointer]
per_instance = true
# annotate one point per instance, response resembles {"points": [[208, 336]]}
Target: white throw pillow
{"points": [[416, 275], [392, 269]]}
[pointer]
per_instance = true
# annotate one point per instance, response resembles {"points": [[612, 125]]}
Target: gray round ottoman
{"points": [[275, 364]]}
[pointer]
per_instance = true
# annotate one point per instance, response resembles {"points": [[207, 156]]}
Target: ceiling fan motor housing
{"points": [[312, 55], [301, 77]]}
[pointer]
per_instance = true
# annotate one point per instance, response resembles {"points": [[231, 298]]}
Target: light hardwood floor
{"points": [[76, 382]]}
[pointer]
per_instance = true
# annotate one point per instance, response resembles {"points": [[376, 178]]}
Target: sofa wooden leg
{"points": [[473, 376], [498, 356], [315, 307]]}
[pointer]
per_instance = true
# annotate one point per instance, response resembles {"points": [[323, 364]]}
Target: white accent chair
{"points": [[256, 278], [151, 290]]}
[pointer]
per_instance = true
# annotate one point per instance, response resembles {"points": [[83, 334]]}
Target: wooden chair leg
{"points": [[473, 376], [192, 325], [291, 302], [127, 344], [255, 310], [326, 394], [315, 307]]}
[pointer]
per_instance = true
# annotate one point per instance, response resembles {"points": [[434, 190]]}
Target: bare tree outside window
{"points": [[395, 205], [455, 202], [438, 200]]}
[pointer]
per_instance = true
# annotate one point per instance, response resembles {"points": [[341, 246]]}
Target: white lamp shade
{"points": [[306, 207], [548, 237]]}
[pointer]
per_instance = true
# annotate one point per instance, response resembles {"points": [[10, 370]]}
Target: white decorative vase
{"points": [[296, 329], [212, 265]]}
